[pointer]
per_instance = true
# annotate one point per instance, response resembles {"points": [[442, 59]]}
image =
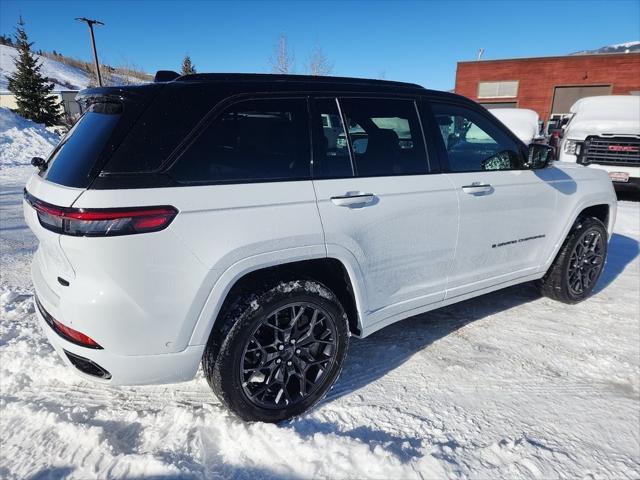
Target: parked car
{"points": [[521, 121], [213, 219], [604, 133]]}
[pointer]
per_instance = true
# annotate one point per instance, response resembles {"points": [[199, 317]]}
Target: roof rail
{"points": [[165, 76], [261, 77]]}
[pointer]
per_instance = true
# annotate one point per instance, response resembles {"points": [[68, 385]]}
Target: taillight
{"points": [[65, 332], [101, 222]]}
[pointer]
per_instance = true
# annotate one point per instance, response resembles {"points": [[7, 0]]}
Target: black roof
{"points": [[234, 83], [311, 80]]}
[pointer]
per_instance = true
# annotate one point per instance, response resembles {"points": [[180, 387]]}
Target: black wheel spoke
{"points": [[288, 355], [585, 262]]}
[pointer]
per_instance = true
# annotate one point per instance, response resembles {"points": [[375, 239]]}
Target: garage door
{"points": [[564, 97]]}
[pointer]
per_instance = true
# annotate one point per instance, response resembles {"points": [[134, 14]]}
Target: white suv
{"points": [[213, 218]]}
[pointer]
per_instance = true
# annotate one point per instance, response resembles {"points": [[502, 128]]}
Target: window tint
{"points": [[385, 135], [473, 142], [160, 128], [72, 161], [331, 154], [251, 141]]}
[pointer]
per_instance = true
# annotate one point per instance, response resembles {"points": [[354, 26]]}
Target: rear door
{"points": [[382, 206], [505, 208]]}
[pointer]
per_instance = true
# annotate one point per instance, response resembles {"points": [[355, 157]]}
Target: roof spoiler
{"points": [[165, 76]]}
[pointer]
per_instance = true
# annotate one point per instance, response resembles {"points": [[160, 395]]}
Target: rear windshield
{"points": [[71, 163]]}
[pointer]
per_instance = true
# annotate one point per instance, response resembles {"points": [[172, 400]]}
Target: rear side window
{"points": [[72, 161], [386, 137], [252, 141]]}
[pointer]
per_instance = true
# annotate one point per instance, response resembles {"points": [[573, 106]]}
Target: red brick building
{"points": [[548, 85]]}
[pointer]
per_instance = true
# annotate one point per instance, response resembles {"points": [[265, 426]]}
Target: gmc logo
{"points": [[622, 148]]}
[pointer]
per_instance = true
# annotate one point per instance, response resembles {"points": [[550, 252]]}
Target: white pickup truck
{"points": [[604, 133]]}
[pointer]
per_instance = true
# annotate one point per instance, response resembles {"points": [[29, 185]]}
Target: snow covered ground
{"points": [[21, 140], [509, 385], [65, 77]]}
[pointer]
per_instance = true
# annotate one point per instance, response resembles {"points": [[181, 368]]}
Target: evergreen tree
{"points": [[6, 40], [187, 67], [30, 87]]}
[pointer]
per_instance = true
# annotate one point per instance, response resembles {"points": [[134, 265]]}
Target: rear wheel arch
{"points": [[330, 272], [282, 347]]}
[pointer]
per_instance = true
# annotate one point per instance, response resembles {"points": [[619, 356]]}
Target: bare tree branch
{"points": [[319, 64], [282, 59]]}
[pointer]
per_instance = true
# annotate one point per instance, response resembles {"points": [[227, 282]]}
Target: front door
{"points": [[505, 207]]}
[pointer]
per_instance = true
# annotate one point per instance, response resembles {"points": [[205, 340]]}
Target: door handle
{"points": [[353, 199], [478, 188]]}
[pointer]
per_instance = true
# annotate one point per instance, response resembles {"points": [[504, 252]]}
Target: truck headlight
{"points": [[570, 146]]}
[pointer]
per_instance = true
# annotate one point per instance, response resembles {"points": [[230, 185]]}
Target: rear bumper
{"points": [[128, 370], [121, 369]]}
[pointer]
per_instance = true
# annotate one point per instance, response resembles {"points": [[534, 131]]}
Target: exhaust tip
{"points": [[87, 366]]}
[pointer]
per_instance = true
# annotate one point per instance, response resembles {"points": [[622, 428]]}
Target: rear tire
{"points": [[276, 352], [579, 263]]}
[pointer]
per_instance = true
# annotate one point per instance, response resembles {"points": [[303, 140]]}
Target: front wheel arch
{"points": [[555, 283]]}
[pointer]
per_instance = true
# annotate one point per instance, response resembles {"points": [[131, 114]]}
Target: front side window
{"points": [[253, 140], [386, 137], [475, 143]]}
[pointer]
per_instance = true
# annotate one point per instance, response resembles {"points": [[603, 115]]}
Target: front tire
{"points": [[579, 264], [277, 351]]}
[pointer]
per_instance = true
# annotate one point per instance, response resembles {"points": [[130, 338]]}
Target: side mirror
{"points": [[539, 156]]}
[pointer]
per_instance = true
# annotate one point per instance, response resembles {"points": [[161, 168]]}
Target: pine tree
{"points": [[30, 87], [187, 67], [6, 40]]}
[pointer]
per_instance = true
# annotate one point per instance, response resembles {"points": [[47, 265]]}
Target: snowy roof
{"points": [[616, 107], [521, 121]]}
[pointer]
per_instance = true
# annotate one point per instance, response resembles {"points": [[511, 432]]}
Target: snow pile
{"points": [[22, 139], [65, 77]]}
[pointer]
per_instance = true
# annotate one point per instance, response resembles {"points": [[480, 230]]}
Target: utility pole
{"points": [[90, 24]]}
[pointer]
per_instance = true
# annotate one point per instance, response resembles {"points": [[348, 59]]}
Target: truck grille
{"points": [[611, 151]]}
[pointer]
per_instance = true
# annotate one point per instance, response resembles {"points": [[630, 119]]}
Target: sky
{"points": [[416, 41]]}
